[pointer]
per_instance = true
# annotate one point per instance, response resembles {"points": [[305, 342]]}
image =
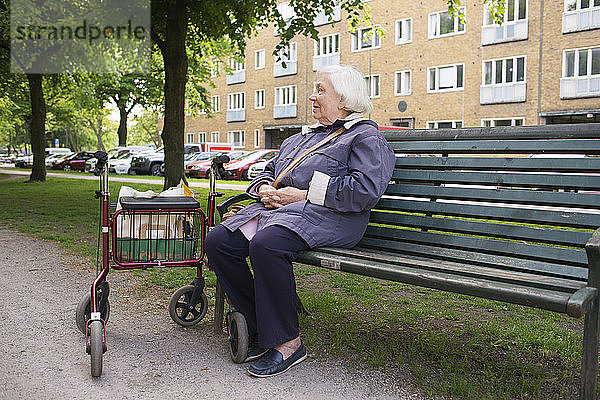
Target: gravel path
{"points": [[148, 357]]}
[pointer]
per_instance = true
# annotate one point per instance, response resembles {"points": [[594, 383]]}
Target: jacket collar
{"points": [[348, 123]]}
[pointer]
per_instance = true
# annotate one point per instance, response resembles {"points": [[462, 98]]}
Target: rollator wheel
{"points": [[96, 347], [238, 337], [84, 311], [182, 311]]}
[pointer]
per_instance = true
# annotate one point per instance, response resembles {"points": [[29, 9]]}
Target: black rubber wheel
{"points": [[155, 169], [83, 312], [96, 347], [67, 167], [180, 309], [245, 176], [238, 337]]}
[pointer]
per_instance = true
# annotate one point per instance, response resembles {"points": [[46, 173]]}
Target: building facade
{"points": [[428, 70]]}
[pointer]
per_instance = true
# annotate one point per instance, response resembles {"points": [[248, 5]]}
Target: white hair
{"points": [[349, 83]]}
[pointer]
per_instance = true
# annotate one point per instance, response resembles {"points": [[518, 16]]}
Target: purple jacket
{"points": [[345, 178]]}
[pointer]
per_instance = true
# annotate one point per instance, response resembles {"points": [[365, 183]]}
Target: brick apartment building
{"points": [[542, 66]]}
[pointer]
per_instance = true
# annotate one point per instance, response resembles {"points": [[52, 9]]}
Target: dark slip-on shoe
{"points": [[272, 363], [254, 353]]}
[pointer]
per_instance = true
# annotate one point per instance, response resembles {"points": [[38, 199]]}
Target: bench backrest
{"points": [[491, 197]]}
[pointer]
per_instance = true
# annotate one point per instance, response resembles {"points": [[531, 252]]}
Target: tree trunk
{"points": [[122, 132], [38, 128], [97, 128], [175, 61]]}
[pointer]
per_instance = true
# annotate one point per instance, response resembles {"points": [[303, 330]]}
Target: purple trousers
{"points": [[266, 298]]}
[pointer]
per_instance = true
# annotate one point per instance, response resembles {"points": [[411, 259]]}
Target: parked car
{"points": [[239, 168], [200, 168], [257, 168], [53, 157], [24, 161], [120, 162], [114, 153], [150, 163], [75, 161]]}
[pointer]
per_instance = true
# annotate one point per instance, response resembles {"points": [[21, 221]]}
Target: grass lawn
{"points": [[452, 345]]}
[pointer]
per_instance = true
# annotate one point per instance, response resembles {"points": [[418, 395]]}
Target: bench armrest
{"points": [[223, 206]]}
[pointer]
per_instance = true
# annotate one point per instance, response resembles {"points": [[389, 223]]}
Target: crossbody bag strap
{"points": [[304, 155]]}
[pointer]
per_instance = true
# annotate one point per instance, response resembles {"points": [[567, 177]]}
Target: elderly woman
{"points": [[317, 192]]}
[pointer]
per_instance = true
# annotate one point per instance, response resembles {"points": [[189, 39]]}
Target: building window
{"points": [[215, 103], [285, 95], [404, 31], [285, 102], [288, 56], [236, 101], [327, 51], [214, 137], [402, 83], [327, 45], [442, 24], [444, 124], [445, 78], [202, 137], [502, 122], [214, 69], [365, 39], [514, 23], [581, 73], [236, 65], [580, 15], [259, 99], [259, 59], [190, 138], [257, 138], [372, 85], [237, 138], [503, 80]]}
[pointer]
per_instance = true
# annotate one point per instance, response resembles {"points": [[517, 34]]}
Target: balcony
{"points": [[580, 86], [285, 111], [581, 20], [320, 61], [291, 68], [503, 93], [507, 32], [236, 115], [236, 77]]}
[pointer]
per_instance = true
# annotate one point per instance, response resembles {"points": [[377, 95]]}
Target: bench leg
{"points": [[219, 309], [589, 368]]}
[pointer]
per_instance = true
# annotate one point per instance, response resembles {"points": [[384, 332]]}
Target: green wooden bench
{"points": [[485, 212]]}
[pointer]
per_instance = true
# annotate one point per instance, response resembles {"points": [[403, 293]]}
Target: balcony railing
{"points": [[581, 20], [580, 86], [321, 61], [236, 77], [291, 68], [503, 93], [236, 115], [285, 111], [507, 32]]}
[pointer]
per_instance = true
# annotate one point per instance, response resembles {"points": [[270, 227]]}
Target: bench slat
{"points": [[482, 245], [506, 231], [518, 214], [552, 146], [501, 163], [461, 256], [524, 196], [470, 270], [510, 293], [534, 180]]}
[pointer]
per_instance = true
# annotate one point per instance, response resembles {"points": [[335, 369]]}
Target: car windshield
{"points": [[123, 155]]}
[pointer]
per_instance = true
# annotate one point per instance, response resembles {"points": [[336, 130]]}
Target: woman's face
{"points": [[327, 105]]}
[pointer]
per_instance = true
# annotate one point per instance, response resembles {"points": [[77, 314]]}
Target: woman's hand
{"points": [[276, 198]]}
